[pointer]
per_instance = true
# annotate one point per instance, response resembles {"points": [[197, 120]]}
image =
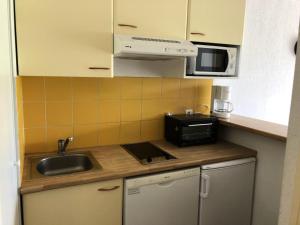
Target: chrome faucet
{"points": [[63, 144]]}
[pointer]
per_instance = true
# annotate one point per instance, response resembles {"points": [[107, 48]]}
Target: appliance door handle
{"points": [[167, 183], [200, 124], [198, 33], [109, 189], [126, 25], [205, 185], [99, 68]]}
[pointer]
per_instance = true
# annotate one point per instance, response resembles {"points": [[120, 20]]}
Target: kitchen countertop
{"points": [[117, 163], [261, 127]]}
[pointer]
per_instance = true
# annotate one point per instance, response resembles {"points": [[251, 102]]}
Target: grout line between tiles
{"points": [[120, 100], [45, 108], [72, 102], [142, 90]]}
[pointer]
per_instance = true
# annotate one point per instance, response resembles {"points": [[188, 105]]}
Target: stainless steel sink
{"points": [[63, 164]]}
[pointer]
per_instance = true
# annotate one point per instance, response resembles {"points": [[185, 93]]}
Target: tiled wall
{"points": [[99, 111]]}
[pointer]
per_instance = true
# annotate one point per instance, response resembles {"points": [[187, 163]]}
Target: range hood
{"points": [[138, 48]]}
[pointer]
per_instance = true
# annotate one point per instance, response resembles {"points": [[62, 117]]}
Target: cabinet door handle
{"points": [[198, 33], [109, 189], [99, 68], [126, 25]]}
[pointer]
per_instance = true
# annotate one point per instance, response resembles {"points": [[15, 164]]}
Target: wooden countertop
{"points": [[268, 129], [117, 163]]}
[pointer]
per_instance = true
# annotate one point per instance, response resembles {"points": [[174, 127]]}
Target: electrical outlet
{"points": [[189, 111]]}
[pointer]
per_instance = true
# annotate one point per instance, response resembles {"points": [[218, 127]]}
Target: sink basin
{"points": [[64, 164]]}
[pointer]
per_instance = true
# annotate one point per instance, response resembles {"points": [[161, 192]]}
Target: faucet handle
{"points": [[70, 139], [67, 142]]}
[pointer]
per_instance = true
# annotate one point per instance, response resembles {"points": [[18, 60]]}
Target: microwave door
{"points": [[211, 61]]}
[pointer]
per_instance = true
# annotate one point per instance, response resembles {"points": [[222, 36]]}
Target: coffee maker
{"points": [[220, 101]]}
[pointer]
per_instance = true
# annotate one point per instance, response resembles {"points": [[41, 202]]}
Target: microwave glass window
{"points": [[212, 60], [194, 133]]}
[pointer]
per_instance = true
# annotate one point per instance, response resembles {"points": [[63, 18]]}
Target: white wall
{"points": [[269, 169], [9, 214], [263, 89], [290, 187]]}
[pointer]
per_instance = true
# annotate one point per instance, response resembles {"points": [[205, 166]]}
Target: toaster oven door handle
{"points": [[200, 124]]}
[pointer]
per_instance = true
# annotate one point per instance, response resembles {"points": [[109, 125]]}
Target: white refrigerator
{"points": [[226, 194]]}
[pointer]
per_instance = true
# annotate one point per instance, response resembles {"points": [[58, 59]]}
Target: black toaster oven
{"points": [[195, 129]]}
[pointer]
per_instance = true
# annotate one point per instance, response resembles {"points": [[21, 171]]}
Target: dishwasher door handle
{"points": [[166, 183], [205, 185]]}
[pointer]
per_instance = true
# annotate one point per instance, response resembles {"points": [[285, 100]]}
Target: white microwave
{"points": [[213, 60]]}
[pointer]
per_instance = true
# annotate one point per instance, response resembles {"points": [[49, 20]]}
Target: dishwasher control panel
{"points": [[161, 178]]}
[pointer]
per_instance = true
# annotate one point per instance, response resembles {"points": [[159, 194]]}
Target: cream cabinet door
{"points": [[216, 21], [64, 38], [90, 204], [151, 18]]}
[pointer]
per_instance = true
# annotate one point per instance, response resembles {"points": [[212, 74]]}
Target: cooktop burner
{"points": [[147, 153]]}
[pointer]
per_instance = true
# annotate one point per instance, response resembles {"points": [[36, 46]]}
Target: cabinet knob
{"points": [[198, 33], [109, 189], [126, 25], [99, 68]]}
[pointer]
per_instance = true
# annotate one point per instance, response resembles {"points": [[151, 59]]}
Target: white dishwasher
{"points": [[170, 198]]}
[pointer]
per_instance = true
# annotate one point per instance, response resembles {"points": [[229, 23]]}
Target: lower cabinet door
{"points": [[89, 204]]}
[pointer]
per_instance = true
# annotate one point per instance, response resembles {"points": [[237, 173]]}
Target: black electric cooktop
{"points": [[147, 153]]}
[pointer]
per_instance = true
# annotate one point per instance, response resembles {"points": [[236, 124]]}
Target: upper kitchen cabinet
{"points": [[216, 21], [151, 18], [64, 38]]}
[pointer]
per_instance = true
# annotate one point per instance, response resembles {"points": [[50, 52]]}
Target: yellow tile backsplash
{"points": [[34, 114], [171, 87], [35, 140], [85, 89], [151, 88], [188, 88], [34, 89], [110, 88], [109, 133], [86, 135], [86, 113], [58, 89], [109, 111], [152, 109], [130, 132], [131, 110], [103, 111], [59, 114], [131, 88], [151, 129]]}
